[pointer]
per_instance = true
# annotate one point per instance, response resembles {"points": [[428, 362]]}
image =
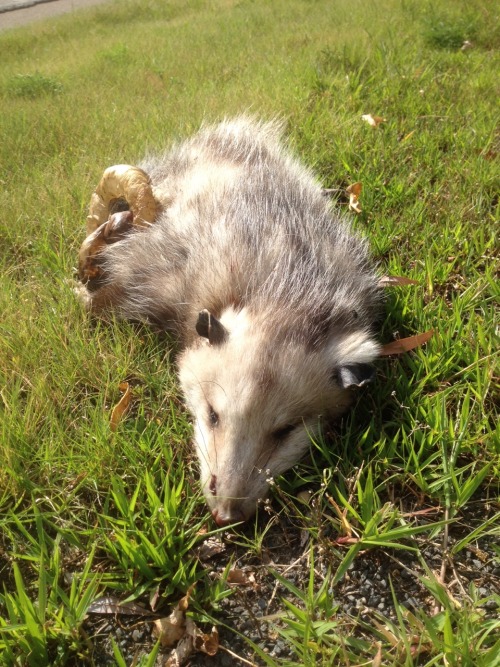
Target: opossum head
{"points": [[256, 399]]}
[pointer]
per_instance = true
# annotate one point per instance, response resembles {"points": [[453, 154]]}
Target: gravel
{"points": [[364, 592]]}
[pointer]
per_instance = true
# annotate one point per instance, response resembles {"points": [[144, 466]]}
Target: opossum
{"points": [[273, 297]]}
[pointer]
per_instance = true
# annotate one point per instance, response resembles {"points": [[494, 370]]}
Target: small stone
{"points": [[278, 648], [411, 602], [137, 635], [238, 610]]}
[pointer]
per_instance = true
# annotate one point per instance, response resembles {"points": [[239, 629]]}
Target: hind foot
{"points": [[90, 260]]}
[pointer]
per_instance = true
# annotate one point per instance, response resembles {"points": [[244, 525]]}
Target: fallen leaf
{"points": [[405, 344], [183, 631], [171, 629], [154, 598], [181, 652], [346, 540], [122, 406], [482, 555], [390, 281], [112, 605], [240, 577], [194, 640], [374, 121], [354, 191], [207, 643], [213, 546]]}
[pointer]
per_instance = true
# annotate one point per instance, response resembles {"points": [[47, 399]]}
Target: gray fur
{"points": [[246, 234]]}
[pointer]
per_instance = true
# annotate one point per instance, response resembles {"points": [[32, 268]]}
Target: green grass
{"points": [[84, 510]]}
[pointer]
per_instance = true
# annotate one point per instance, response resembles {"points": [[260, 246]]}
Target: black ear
{"points": [[355, 375], [209, 327]]}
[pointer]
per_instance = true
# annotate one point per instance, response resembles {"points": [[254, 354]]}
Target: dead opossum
{"points": [[273, 297]]}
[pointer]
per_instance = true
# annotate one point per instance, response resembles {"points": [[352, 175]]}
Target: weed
{"points": [[33, 85]]}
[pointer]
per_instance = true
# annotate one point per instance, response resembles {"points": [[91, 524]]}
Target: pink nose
{"points": [[225, 518]]}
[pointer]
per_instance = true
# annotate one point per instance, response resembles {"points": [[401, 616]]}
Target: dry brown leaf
{"points": [[171, 629], [194, 640], [377, 660], [212, 546], [345, 526], [405, 344], [354, 192], [122, 406], [109, 604], [390, 281], [181, 652], [240, 577], [184, 601], [482, 555], [346, 540], [206, 643], [154, 598], [374, 121]]}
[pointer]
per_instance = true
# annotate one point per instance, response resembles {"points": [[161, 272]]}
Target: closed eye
{"points": [[213, 417], [283, 432]]}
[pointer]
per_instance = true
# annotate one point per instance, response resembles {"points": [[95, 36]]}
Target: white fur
{"points": [[247, 234]]}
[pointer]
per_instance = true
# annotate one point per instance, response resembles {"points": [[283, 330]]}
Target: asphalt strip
{"points": [[16, 13]]}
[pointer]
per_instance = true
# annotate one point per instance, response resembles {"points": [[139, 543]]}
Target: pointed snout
{"points": [[223, 517], [225, 511]]}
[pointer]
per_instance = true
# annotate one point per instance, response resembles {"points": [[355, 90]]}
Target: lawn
{"points": [[381, 547]]}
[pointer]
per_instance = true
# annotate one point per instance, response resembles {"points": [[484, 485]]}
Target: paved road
{"points": [[14, 13]]}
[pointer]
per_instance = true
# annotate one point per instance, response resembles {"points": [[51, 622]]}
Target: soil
{"points": [[363, 596]]}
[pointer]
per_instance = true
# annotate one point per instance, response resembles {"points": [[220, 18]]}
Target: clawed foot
{"points": [[116, 228]]}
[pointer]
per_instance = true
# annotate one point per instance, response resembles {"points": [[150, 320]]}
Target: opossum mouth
{"points": [[226, 518], [227, 510]]}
